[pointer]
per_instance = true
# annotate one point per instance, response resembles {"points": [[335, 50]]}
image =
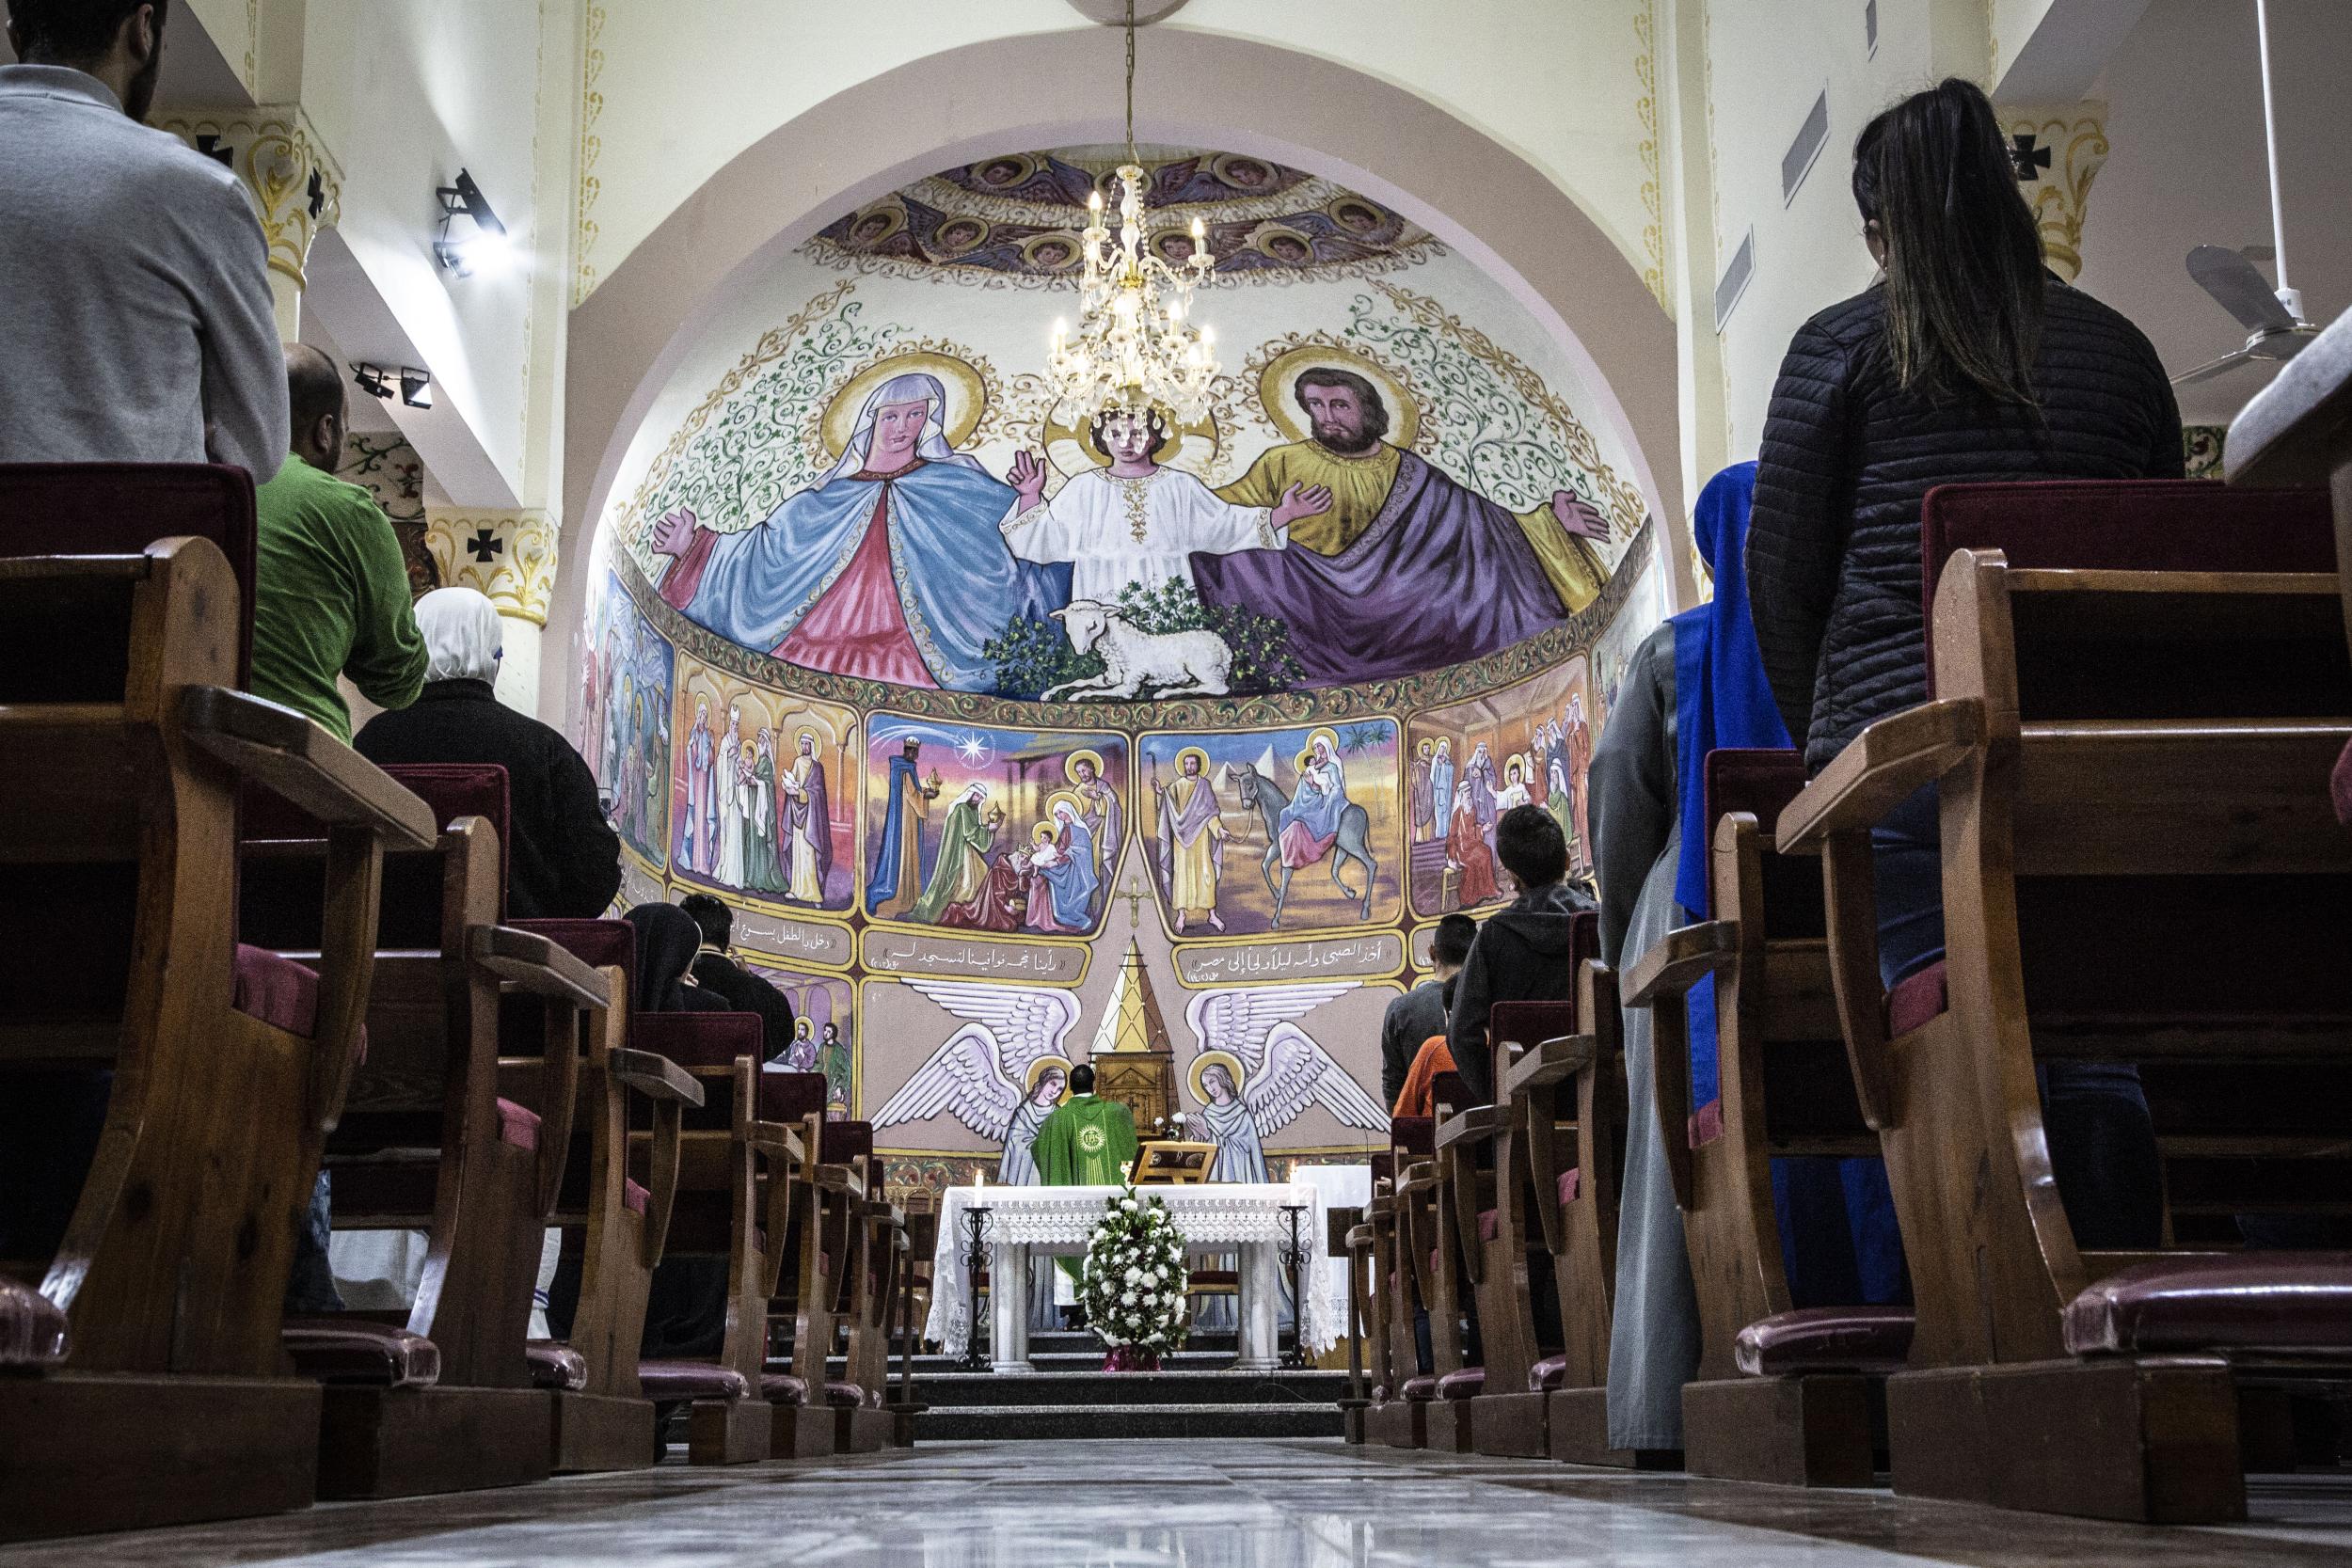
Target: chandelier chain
{"points": [[1131, 81]]}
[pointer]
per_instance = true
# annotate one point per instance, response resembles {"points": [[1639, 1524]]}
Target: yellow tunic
{"points": [[1360, 487], [1192, 867]]}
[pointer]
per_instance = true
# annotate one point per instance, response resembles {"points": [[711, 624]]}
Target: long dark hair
{"points": [[1963, 257]]}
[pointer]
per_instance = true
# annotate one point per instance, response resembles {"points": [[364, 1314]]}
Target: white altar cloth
{"points": [[1030, 1222]]}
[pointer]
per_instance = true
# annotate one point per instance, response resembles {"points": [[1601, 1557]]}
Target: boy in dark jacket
{"points": [[1523, 954]]}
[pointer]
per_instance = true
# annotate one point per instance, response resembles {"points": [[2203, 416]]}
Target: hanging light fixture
{"points": [[1136, 345]]}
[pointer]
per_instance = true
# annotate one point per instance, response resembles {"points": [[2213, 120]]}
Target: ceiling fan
{"points": [[2275, 329]]}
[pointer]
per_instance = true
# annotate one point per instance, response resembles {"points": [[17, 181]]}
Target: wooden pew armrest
{"points": [[1419, 1177], [1680, 959], [533, 963], [1879, 769], [1477, 1125], [834, 1178], [654, 1075], [1548, 1062], [296, 758], [778, 1140]]}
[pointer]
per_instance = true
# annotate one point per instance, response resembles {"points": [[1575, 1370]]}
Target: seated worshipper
{"points": [[1420, 1013], [331, 593], [686, 1311], [139, 324], [715, 970], [564, 860], [1418, 1097], [1969, 361], [1522, 953]]}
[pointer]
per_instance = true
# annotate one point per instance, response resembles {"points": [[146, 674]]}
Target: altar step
{"points": [[1092, 1388], [1040, 1422]]}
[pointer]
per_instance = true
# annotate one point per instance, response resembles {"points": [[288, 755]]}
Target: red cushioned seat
{"points": [[1571, 1185], [555, 1365], [1826, 1340], [1383, 1168], [783, 1388], [700, 1040], [1548, 1374], [2297, 1303], [518, 1125], [1528, 1025], [666, 1381], [634, 1196], [846, 1141], [32, 1327], [2340, 786], [1413, 1135], [1420, 1388], [1706, 1124], [282, 994], [456, 789], [844, 1396], [1917, 1000], [1489, 1224], [1466, 1384], [352, 1349]]}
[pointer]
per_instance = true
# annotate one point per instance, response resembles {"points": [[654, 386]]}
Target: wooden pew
{"points": [[2130, 711], [145, 1385], [1784, 1394], [428, 1142], [1400, 1413], [919, 1244], [872, 1228], [1428, 1231], [739, 1174], [1374, 1240], [802, 1423], [1349, 1237]]}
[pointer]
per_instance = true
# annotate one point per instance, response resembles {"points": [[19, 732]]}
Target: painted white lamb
{"points": [[1176, 663]]}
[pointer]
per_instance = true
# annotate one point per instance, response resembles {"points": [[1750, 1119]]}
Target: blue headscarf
{"points": [[1721, 699]]}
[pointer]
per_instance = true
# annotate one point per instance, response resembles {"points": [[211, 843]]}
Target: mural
{"points": [[951, 691], [1531, 744], [984, 828], [824, 1032]]}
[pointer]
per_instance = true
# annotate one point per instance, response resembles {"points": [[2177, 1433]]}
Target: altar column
{"points": [[295, 184], [509, 557]]}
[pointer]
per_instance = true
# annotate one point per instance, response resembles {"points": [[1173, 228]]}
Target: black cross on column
{"points": [[484, 545], [2029, 157]]}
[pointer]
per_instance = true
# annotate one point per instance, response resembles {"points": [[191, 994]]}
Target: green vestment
{"points": [[961, 869], [1087, 1142]]}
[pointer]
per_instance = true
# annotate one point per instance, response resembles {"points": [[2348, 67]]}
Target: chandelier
{"points": [[1135, 345]]}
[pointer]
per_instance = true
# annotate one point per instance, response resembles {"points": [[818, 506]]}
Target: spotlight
{"points": [[371, 380], [416, 388], [485, 246]]}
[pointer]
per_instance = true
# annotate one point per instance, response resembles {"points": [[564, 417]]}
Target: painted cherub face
{"points": [[1129, 437]]}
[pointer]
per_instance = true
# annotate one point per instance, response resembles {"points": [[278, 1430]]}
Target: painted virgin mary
{"points": [[1311, 820], [889, 566]]}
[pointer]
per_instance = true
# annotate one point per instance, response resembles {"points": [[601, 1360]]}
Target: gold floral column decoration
{"points": [[292, 180], [507, 556], [2058, 152]]}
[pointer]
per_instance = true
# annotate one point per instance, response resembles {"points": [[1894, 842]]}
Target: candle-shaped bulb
{"points": [[1200, 232], [1094, 201]]}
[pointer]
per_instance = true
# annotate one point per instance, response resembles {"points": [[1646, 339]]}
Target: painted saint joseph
{"points": [[1407, 570], [1191, 841], [889, 566]]}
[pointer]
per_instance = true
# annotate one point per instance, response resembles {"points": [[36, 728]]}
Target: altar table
{"points": [[1024, 1223]]}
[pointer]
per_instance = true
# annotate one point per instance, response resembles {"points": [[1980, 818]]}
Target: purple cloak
{"points": [[1441, 575]]}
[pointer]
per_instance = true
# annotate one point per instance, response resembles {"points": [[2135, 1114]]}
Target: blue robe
{"points": [[883, 885], [1073, 879], [958, 584], [1319, 812]]}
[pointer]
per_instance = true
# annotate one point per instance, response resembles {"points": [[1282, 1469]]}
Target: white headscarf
{"points": [[914, 386], [461, 635]]}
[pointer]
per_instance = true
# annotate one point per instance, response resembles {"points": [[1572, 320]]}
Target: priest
{"points": [[1087, 1142], [1405, 569]]}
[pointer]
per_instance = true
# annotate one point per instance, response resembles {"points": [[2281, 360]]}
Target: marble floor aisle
{"points": [[1303, 1503]]}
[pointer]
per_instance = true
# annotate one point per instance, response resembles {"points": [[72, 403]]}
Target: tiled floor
{"points": [[1270, 1504]]}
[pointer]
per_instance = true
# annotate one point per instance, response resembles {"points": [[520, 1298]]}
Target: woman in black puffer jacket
{"points": [[1966, 362]]}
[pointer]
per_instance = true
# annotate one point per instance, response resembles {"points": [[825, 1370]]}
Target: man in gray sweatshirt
{"points": [[136, 326]]}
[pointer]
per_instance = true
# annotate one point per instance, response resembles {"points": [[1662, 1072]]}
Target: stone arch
{"points": [[1203, 89]]}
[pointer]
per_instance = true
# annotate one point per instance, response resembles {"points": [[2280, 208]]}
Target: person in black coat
{"points": [[715, 970], [1966, 362], [1523, 954], [563, 860]]}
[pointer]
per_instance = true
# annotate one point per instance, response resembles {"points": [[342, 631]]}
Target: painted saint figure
{"points": [[1441, 788], [698, 835], [1468, 853], [1137, 524], [801, 1056], [732, 779], [1407, 570], [1417, 792], [961, 869], [1191, 840], [1579, 743], [889, 566], [763, 870], [1311, 821], [1048, 1077], [1072, 879], [806, 823], [1513, 790], [1099, 801], [898, 879]]}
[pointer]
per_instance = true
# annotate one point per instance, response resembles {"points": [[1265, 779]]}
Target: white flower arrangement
{"points": [[1132, 1279]]}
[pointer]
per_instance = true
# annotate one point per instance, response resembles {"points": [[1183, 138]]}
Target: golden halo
{"points": [[1424, 748], [1300, 762], [1191, 752], [1278, 382], [1077, 803], [1070, 763], [1326, 733], [893, 217], [1263, 237], [1513, 766], [809, 736], [1044, 833], [1070, 447], [1072, 250], [1038, 1069], [1226, 1059], [967, 396]]}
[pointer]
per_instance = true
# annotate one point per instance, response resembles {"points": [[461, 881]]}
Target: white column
{"points": [[1008, 1306], [1260, 1296], [293, 180], [510, 557]]}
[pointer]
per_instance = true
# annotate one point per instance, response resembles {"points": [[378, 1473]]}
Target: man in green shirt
{"points": [[1087, 1142], [332, 590]]}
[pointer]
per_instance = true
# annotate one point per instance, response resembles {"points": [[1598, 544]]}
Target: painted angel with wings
{"points": [[1258, 1069], [1001, 1074]]}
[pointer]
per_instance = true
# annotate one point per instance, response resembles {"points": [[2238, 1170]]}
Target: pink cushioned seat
{"points": [[1917, 1000], [555, 1365], [844, 1396], [1548, 1374], [1420, 1388], [32, 1327], [666, 1381], [1826, 1340], [1571, 1184], [518, 1125], [282, 994], [2340, 786], [2294, 1303], [1489, 1224], [783, 1388], [1466, 1384], [634, 1196], [352, 1349]]}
